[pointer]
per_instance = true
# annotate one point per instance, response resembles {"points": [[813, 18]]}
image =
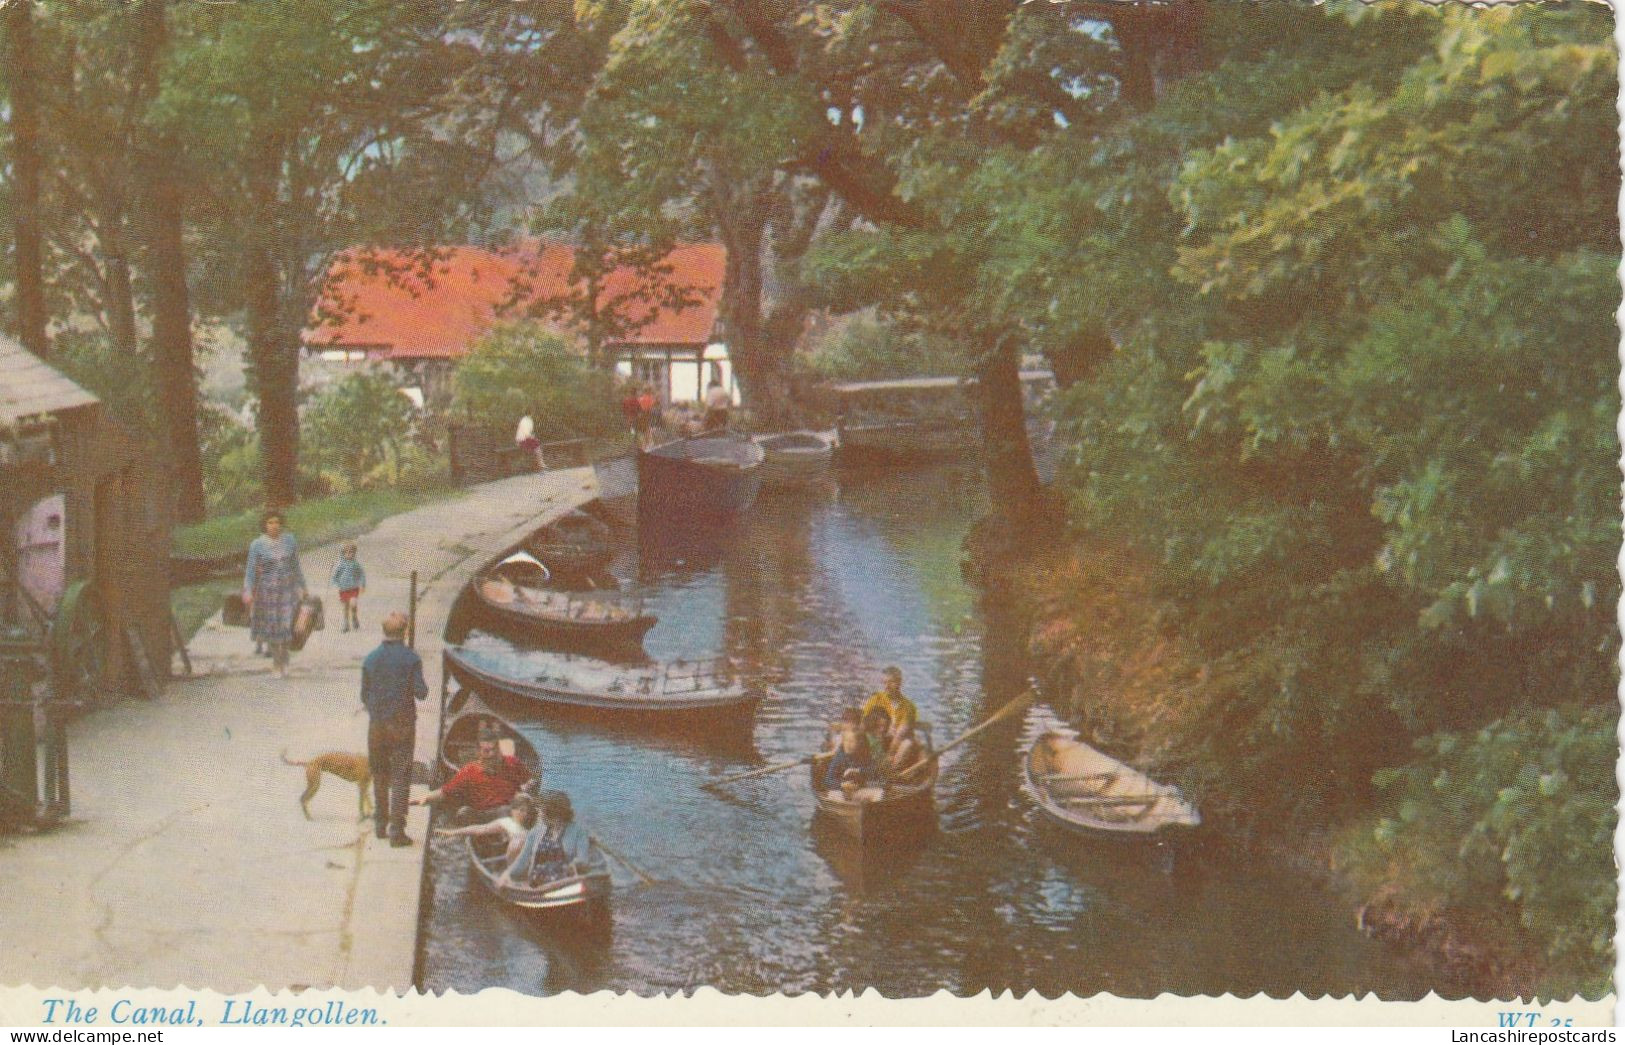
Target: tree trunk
{"points": [[752, 354], [163, 214], [274, 367], [1012, 480], [21, 80]]}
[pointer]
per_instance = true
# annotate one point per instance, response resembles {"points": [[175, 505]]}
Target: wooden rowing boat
{"points": [[872, 814], [466, 716], [562, 681], [531, 612], [1091, 793], [487, 856], [573, 543], [705, 479], [795, 459]]}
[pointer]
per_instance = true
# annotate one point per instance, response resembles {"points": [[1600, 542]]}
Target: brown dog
{"points": [[342, 764]]}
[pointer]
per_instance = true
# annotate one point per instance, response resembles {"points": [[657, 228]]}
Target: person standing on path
{"points": [[391, 685], [351, 580], [273, 585]]}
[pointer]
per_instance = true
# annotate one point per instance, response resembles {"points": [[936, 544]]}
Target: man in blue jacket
{"points": [[391, 685]]}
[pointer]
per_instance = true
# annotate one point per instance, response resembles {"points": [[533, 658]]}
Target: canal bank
{"points": [[188, 860]]}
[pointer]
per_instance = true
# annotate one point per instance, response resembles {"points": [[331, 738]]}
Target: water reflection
{"points": [[813, 595]]}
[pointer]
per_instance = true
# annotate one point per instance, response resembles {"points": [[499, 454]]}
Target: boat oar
{"points": [[764, 771], [624, 862], [1003, 713]]}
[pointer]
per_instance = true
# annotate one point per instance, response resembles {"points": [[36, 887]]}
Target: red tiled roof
{"points": [[437, 303]]}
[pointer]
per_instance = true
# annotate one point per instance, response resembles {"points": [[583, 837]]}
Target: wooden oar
{"points": [[1009, 709], [764, 771], [624, 862]]}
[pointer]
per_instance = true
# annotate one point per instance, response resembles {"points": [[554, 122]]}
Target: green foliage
{"points": [[358, 427], [1360, 413], [864, 348], [1512, 826], [124, 385], [523, 368], [230, 453]]}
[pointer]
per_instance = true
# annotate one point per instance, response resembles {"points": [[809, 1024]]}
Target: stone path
{"points": [[187, 861]]}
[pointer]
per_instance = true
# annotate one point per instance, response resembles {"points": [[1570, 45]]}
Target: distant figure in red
{"points": [[648, 411], [480, 791]]}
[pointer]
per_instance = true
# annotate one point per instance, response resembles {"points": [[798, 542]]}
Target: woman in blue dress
{"points": [[272, 587]]}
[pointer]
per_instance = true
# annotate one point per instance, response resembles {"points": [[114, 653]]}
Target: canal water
{"points": [[813, 593]]}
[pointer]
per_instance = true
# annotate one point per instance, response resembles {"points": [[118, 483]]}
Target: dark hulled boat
{"points": [[573, 543], [528, 611], [869, 814]]}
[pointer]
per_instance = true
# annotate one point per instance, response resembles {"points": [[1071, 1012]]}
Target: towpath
{"points": [[187, 861]]}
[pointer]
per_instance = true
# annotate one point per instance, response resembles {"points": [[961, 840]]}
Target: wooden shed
{"points": [[84, 554]]}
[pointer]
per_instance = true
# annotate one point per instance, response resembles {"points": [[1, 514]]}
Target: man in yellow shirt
{"points": [[897, 707]]}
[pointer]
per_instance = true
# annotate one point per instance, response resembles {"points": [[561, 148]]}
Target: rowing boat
{"points": [[796, 458], [514, 606], [573, 543], [467, 717], [1091, 793], [562, 681], [870, 814], [487, 856]]}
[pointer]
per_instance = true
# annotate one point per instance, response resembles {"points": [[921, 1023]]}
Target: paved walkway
{"points": [[187, 861]]}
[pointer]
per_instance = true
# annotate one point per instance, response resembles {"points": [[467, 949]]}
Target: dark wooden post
{"points": [[412, 613]]}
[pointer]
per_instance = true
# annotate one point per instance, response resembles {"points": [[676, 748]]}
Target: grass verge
{"points": [[313, 522]]}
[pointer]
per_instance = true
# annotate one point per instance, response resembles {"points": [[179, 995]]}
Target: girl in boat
{"points": [[514, 827], [851, 752], [557, 847], [273, 586]]}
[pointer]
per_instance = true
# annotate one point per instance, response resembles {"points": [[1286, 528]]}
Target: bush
{"points": [[1510, 829], [523, 368], [355, 430]]}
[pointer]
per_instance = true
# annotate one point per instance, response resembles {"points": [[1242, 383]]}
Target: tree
{"points": [[319, 129], [28, 263], [162, 221]]}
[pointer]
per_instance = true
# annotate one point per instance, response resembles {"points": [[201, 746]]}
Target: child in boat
{"points": [[351, 580], [557, 847], [513, 827]]}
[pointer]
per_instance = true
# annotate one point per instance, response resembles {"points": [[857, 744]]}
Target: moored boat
{"points": [[488, 857], [708, 478], [1090, 793], [573, 543], [868, 814], [796, 458], [467, 717], [562, 681], [470, 718], [531, 612]]}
